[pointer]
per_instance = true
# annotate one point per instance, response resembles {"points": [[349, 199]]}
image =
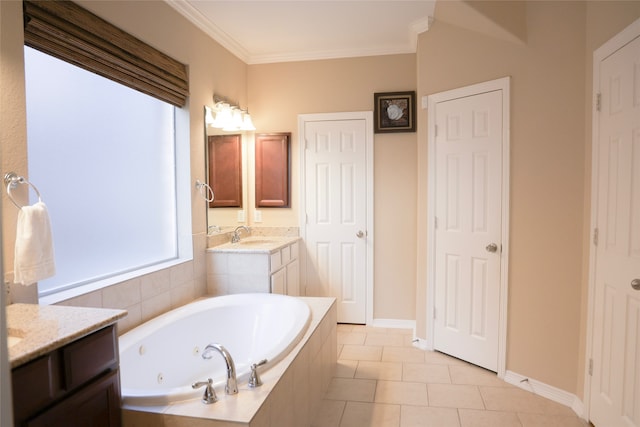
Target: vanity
{"points": [[64, 365], [255, 264]]}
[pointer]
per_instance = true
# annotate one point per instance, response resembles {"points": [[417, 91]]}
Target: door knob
{"points": [[360, 234], [635, 284], [492, 247]]}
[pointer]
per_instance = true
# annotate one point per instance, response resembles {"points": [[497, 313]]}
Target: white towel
{"points": [[33, 259]]}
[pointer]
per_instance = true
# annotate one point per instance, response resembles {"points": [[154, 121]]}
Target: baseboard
{"points": [[545, 390], [394, 323], [402, 324], [420, 343]]}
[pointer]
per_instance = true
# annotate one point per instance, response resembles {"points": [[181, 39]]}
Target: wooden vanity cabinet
{"points": [[76, 385]]}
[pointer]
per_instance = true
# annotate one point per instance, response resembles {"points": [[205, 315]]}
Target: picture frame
{"points": [[394, 112]]}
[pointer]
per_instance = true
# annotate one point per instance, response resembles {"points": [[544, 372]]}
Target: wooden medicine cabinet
{"points": [[272, 170], [225, 170]]}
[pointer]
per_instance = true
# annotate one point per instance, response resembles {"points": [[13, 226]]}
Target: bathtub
{"points": [[160, 359]]}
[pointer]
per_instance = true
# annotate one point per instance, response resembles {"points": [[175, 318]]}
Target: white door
{"points": [[615, 385], [335, 229], [468, 229]]}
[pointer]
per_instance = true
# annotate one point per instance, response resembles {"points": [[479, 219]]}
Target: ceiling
{"points": [[265, 31]]}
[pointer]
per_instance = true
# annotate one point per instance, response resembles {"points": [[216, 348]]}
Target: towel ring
{"points": [[12, 180], [202, 187]]}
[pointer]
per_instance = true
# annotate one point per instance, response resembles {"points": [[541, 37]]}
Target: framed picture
{"points": [[394, 112]]}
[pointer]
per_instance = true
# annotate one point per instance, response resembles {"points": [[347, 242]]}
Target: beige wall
{"points": [[279, 92], [13, 149], [550, 146]]}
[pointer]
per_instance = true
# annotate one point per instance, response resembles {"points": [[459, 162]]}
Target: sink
{"points": [[256, 242], [14, 337], [11, 340]]}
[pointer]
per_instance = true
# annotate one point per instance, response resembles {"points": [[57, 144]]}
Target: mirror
{"points": [[226, 173]]}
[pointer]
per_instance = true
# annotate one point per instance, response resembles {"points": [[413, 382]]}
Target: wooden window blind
{"points": [[69, 32]]}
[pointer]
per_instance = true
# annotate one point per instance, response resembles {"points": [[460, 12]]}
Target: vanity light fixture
{"points": [[208, 116], [228, 117], [247, 123]]}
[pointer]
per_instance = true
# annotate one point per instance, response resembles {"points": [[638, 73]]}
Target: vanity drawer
{"points": [[294, 250], [90, 356], [276, 261], [285, 253]]}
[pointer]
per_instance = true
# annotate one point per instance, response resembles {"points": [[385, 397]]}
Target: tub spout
{"points": [[232, 383]]}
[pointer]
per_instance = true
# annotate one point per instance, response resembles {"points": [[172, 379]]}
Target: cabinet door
{"points": [[272, 170], [96, 405], [225, 170], [279, 281], [293, 278]]}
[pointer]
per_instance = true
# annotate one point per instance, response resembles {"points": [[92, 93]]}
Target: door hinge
{"points": [[595, 236], [436, 129], [434, 313], [590, 367], [598, 101], [435, 222]]}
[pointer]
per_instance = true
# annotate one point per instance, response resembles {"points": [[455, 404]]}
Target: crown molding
{"points": [[199, 20]]}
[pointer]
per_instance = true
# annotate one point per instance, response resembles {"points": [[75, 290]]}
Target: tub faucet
{"points": [[232, 383], [209, 396], [235, 237], [254, 378]]}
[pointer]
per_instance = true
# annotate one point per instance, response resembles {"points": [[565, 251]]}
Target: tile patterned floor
{"points": [[381, 380]]}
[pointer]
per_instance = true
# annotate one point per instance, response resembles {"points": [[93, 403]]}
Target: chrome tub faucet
{"points": [[209, 396], [232, 383]]}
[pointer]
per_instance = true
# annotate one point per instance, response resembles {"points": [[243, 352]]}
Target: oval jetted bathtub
{"points": [[160, 359]]}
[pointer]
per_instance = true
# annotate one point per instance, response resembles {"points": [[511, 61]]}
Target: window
{"points": [[106, 161]]}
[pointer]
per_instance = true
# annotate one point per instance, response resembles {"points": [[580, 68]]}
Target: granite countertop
{"points": [[256, 244], [35, 330]]}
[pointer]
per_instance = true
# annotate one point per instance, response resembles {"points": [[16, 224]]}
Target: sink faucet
{"points": [[232, 383], [235, 238]]}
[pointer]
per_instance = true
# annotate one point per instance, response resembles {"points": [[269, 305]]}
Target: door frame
{"points": [[608, 48], [502, 84], [367, 116]]}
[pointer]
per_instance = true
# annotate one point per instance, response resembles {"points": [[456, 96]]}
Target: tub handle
{"points": [[209, 393], [254, 378]]}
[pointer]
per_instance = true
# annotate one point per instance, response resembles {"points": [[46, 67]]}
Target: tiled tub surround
{"points": [[251, 327], [256, 264], [290, 396], [39, 329], [150, 295]]}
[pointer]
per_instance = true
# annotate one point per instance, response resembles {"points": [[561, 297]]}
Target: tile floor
{"points": [[381, 380]]}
